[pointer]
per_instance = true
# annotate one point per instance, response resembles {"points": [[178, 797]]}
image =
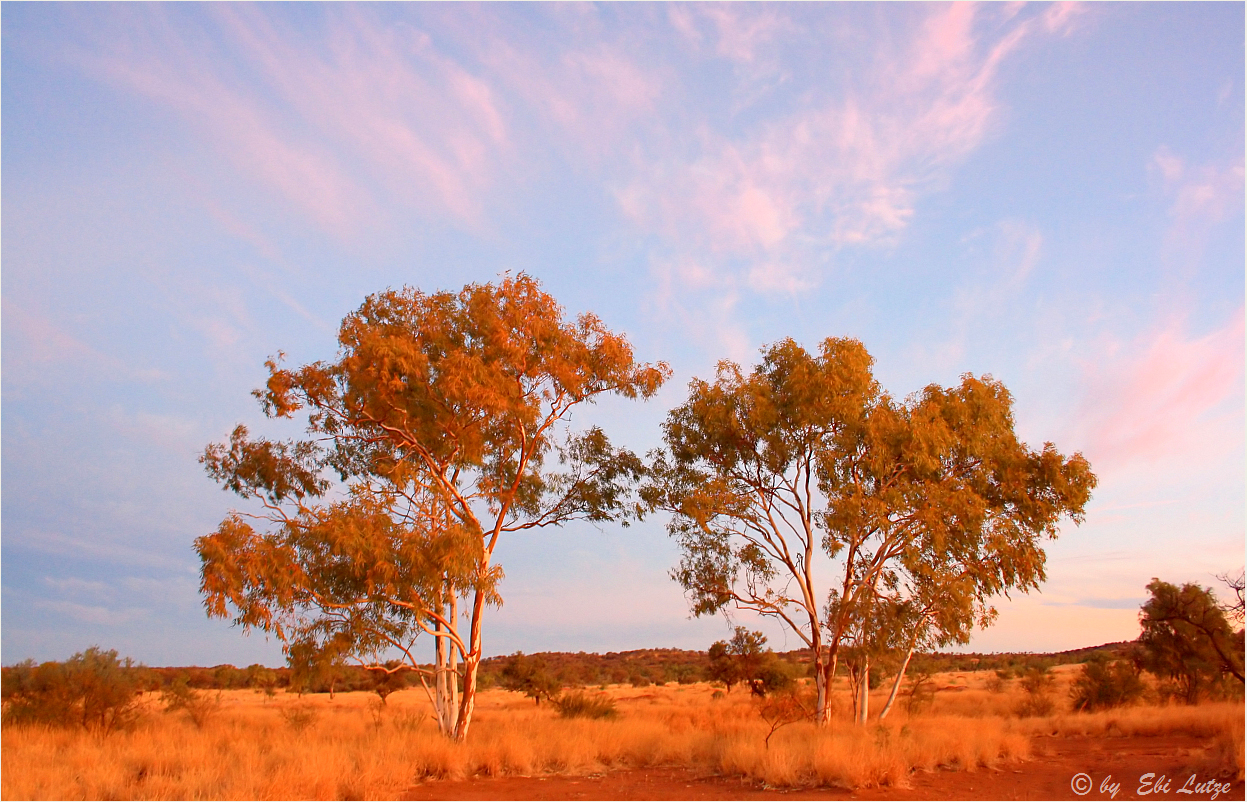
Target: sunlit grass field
{"points": [[351, 747]]}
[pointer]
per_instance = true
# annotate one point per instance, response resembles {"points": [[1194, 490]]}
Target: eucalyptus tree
{"points": [[441, 428], [803, 492]]}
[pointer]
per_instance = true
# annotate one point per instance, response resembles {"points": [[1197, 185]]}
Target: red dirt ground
{"points": [[1047, 775]]}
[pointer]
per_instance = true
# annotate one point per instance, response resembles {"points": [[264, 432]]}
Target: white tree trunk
{"points": [[863, 707], [896, 686], [452, 705], [471, 662]]}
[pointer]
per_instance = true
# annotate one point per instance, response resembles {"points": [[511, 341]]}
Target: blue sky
{"points": [[1051, 194]]}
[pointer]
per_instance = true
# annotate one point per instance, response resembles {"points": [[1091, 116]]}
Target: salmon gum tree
{"points": [[444, 421]]}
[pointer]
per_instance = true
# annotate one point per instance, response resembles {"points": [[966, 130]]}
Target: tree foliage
{"points": [[1187, 639], [443, 422], [931, 504], [1234, 609], [391, 676]]}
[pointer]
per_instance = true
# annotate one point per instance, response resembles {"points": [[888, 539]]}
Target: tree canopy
{"points": [[1186, 638], [440, 428], [931, 504]]}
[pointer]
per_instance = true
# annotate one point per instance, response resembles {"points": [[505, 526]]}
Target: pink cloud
{"points": [[742, 33], [846, 172], [1201, 197], [1062, 18], [37, 341], [586, 100], [1165, 398], [739, 33], [372, 119]]}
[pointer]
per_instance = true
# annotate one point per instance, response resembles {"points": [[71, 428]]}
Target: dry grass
{"points": [[351, 749]]}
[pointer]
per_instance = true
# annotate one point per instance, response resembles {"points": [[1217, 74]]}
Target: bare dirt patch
{"points": [[1049, 774]]}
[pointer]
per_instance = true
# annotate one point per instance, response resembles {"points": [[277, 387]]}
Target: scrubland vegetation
{"points": [[442, 431], [249, 744]]}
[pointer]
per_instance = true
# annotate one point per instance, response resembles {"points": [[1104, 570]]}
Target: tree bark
{"points": [[896, 686]]}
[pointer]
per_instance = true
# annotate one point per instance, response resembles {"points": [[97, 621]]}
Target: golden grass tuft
{"points": [[351, 748]]}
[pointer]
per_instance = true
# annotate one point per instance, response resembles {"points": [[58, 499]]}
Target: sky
{"points": [[1049, 194]]}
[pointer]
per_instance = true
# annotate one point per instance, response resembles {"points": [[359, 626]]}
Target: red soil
{"points": [[1049, 774]]}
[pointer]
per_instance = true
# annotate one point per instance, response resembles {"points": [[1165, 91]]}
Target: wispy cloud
{"points": [[1163, 397], [1201, 197], [38, 342], [94, 614], [74, 585], [342, 126], [844, 171], [99, 550], [840, 171]]}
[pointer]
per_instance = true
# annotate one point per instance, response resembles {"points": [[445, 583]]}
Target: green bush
{"points": [[1104, 684], [582, 705], [93, 690], [529, 676], [770, 675]]}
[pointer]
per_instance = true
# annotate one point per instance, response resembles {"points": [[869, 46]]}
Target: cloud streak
{"points": [[1163, 399], [762, 211], [1201, 198], [845, 171], [341, 125]]}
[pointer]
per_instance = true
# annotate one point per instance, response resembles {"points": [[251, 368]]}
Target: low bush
{"points": [[299, 717], [787, 706], [1037, 683], [582, 705], [1104, 684], [93, 689], [199, 706]]}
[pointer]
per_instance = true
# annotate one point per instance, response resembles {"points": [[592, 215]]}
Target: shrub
{"points": [[529, 676], [583, 705], [198, 706], [921, 687], [787, 706], [299, 717], [93, 689], [772, 676], [687, 675], [1037, 683], [1104, 684]]}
